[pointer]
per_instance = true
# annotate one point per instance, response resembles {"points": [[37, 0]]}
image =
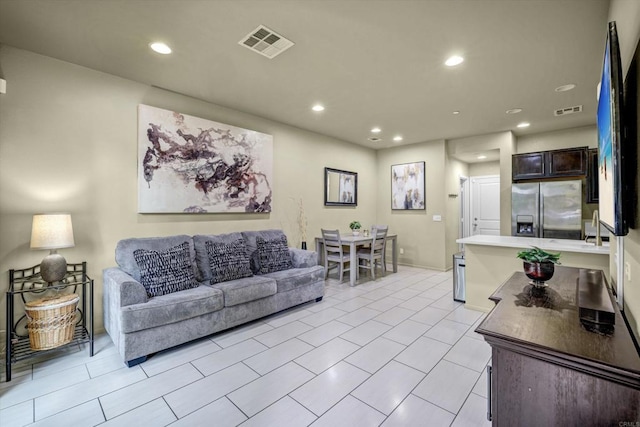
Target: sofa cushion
{"points": [[252, 246], [288, 280], [246, 289], [303, 258], [273, 254], [165, 272], [228, 261], [125, 248], [171, 308], [203, 270]]}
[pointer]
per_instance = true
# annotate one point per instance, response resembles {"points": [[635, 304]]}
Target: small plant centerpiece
{"points": [[355, 227], [538, 265]]}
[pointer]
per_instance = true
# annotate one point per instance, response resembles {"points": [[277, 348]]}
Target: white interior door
{"points": [[485, 205]]}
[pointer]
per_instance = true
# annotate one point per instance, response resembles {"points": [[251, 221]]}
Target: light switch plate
{"points": [[437, 217]]}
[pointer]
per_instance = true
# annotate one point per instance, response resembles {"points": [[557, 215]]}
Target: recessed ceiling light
{"points": [[524, 125], [160, 48], [482, 157], [452, 61], [397, 138], [376, 130], [455, 113], [317, 108], [565, 88], [514, 111]]}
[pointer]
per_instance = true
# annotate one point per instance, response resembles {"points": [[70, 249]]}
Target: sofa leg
{"points": [[136, 361], [318, 299]]}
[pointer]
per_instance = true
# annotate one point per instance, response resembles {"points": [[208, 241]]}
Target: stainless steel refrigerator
{"points": [[547, 209]]}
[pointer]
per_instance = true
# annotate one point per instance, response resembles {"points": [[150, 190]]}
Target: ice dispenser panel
{"points": [[524, 225]]}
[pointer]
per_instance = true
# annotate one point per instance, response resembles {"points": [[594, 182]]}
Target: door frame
{"points": [[464, 228]]}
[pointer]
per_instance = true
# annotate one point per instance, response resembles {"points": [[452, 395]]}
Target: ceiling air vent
{"points": [[568, 110], [265, 42]]}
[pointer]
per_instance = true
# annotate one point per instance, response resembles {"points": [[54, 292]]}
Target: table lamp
{"points": [[52, 231]]}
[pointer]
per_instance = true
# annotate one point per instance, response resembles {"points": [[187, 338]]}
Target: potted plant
{"points": [[355, 226], [538, 264]]}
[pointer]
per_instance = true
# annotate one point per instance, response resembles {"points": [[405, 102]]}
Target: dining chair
{"points": [[378, 227], [334, 253], [368, 257]]}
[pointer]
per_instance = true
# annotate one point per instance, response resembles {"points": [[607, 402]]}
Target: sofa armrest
{"points": [[301, 258], [122, 288]]}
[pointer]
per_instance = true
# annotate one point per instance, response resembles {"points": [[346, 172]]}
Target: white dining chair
{"points": [[369, 257], [334, 253]]}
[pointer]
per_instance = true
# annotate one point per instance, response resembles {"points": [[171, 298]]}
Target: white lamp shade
{"points": [[52, 231]]}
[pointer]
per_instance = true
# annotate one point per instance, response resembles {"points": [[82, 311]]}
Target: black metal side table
{"points": [[27, 285]]}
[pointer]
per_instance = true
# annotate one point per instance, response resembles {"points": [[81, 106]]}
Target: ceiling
{"points": [[370, 63]]}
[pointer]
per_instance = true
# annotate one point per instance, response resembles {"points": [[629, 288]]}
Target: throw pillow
{"points": [[228, 261], [167, 271], [273, 255]]}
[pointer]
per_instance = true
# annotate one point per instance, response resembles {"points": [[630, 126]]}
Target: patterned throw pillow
{"points": [[273, 255], [167, 271], [228, 261]]}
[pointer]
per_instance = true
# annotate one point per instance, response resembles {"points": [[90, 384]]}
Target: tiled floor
{"points": [[397, 351]]}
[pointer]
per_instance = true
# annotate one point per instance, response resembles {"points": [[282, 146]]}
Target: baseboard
{"points": [[426, 267], [476, 308]]}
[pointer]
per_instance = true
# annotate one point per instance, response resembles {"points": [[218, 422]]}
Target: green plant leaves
{"points": [[539, 255]]}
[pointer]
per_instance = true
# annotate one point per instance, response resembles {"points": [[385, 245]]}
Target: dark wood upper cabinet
{"points": [[569, 162], [528, 166], [592, 176], [550, 164]]}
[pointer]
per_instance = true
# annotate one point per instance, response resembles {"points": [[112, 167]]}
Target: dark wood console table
{"points": [[547, 369]]}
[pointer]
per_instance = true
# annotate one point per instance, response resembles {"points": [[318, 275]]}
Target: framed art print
{"points": [[407, 186], [191, 165]]}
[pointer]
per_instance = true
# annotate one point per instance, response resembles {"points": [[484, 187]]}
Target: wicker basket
{"points": [[51, 321]]}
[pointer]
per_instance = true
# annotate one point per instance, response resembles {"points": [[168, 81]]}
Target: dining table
{"points": [[357, 241]]}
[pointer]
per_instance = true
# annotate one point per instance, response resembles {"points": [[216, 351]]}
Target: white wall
{"points": [[484, 168], [626, 13], [423, 240], [68, 142], [586, 136], [506, 143]]}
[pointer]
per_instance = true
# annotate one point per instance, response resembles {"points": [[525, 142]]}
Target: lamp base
{"points": [[53, 267]]}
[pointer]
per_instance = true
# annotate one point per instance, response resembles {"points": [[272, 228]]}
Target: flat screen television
{"points": [[611, 182], [631, 121]]}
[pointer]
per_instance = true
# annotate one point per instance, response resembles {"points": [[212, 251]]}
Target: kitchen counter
{"points": [[557, 245], [490, 260]]}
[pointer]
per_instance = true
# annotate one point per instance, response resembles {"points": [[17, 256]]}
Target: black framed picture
{"points": [[340, 187]]}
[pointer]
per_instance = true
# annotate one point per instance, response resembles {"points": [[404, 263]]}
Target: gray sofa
{"points": [[167, 291]]}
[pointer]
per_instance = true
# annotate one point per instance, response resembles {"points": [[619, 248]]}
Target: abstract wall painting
{"points": [[407, 186], [191, 165]]}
